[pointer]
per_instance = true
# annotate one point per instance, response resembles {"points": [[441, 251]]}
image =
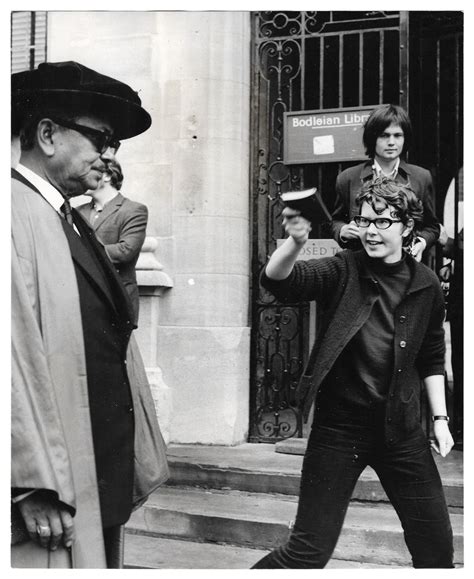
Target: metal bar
{"points": [[438, 111], [327, 34], [457, 147], [361, 68], [340, 62], [381, 66], [303, 60], [404, 60], [32, 39], [321, 71]]}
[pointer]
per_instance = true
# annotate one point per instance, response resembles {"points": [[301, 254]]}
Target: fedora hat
{"points": [[76, 88]]}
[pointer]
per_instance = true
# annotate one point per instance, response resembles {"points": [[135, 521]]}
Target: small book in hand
{"points": [[309, 203]]}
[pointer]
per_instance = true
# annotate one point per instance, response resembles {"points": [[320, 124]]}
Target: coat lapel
{"points": [[110, 208], [85, 211], [108, 271], [79, 252], [85, 261], [19, 177]]}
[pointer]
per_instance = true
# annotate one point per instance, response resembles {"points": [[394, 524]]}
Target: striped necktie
{"points": [[66, 211]]}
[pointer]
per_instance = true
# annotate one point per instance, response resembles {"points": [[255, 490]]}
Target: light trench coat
{"points": [[51, 431]]}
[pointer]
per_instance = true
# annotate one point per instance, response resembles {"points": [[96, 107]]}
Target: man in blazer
{"points": [[86, 446], [120, 224], [387, 137]]}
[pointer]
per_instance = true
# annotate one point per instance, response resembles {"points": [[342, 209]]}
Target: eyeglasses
{"points": [[100, 139], [379, 222]]}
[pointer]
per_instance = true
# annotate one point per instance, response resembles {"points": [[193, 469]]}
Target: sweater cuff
{"points": [[433, 370]]}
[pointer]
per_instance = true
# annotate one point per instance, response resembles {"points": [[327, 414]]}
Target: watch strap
{"points": [[440, 417]]}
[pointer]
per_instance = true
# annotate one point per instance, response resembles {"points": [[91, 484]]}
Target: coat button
{"points": [[402, 319], [403, 344], [389, 420], [399, 371]]}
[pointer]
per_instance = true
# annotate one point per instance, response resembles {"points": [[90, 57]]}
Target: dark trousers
{"points": [[114, 546], [341, 444]]}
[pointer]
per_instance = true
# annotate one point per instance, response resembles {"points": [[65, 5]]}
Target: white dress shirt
{"points": [[50, 193], [378, 171]]}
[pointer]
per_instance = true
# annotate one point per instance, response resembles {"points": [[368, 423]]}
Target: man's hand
{"points": [[418, 248], [349, 231], [443, 235], [443, 442], [296, 226], [47, 520]]}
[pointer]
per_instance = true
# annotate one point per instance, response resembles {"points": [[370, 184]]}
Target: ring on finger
{"points": [[43, 530]]}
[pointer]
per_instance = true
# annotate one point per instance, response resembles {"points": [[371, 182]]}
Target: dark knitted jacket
{"points": [[345, 291]]}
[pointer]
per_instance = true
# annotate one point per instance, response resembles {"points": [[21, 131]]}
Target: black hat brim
{"points": [[127, 118]]}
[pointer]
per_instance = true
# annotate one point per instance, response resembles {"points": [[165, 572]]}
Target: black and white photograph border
{"points": [[197, 170]]}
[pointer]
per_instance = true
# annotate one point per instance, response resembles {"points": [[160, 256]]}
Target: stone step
{"points": [[371, 534], [258, 468], [144, 552]]}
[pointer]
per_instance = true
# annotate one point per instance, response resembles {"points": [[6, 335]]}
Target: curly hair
{"points": [[382, 192], [381, 118], [114, 170]]}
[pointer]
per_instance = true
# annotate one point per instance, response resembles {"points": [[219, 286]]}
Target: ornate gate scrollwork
{"points": [[298, 66], [328, 60]]}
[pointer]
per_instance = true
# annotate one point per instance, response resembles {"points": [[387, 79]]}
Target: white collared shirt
{"points": [[50, 193], [379, 171]]}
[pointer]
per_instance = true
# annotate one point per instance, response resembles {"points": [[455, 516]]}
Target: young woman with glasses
{"points": [[381, 335]]}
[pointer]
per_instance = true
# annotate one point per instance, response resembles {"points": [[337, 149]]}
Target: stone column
{"points": [[203, 117]]}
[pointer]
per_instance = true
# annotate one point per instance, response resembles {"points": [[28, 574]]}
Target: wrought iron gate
{"points": [[304, 61], [324, 60]]}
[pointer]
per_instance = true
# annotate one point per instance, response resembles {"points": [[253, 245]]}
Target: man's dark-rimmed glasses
{"points": [[100, 139], [379, 222]]}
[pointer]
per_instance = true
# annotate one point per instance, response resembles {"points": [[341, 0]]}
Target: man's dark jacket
{"points": [[345, 291], [350, 181], [121, 228]]}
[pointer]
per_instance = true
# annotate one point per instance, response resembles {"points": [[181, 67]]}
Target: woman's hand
{"points": [[443, 442], [296, 226]]}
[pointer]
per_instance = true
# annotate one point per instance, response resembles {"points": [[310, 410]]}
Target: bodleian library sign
{"points": [[324, 136]]}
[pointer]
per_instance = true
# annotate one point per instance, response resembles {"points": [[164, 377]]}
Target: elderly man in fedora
{"points": [[86, 446]]}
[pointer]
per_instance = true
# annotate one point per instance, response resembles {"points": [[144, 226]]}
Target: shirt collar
{"points": [[379, 172], [50, 193], [94, 205]]}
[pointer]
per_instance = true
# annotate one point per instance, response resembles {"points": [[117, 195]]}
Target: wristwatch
{"points": [[440, 417]]}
